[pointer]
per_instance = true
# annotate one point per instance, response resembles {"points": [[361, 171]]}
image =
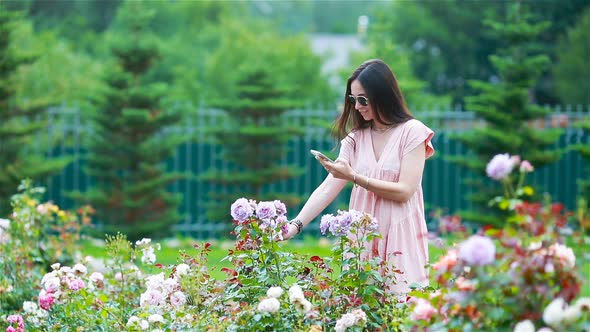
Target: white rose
{"points": [[149, 256], [132, 321], [79, 268], [182, 269], [178, 299], [65, 269], [524, 326], [270, 304], [4, 224], [169, 285], [566, 255], [275, 292], [302, 305], [52, 284], [143, 241], [347, 320], [96, 277], [295, 293], [360, 315], [150, 297], [155, 281], [584, 304], [553, 314], [29, 306], [144, 325], [571, 314]]}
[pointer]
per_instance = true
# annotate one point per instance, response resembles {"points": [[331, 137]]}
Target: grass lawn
{"points": [[169, 254]]}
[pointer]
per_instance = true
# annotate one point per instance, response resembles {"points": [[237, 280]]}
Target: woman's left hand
{"points": [[339, 169]]}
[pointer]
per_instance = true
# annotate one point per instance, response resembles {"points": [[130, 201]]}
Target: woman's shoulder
{"points": [[354, 135], [358, 132], [415, 124]]}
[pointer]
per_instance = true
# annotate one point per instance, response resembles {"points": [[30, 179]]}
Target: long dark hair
{"points": [[384, 94]]}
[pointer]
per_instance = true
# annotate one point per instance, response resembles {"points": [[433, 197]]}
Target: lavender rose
{"points": [[280, 207], [500, 166], [241, 210], [266, 210], [477, 250]]}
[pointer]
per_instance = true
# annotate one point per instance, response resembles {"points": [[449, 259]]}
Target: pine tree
{"points": [[20, 121], [573, 51], [253, 141], [584, 151], [130, 143], [507, 111], [255, 76]]}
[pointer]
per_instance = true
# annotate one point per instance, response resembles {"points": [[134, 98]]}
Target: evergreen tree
{"points": [[448, 43], [573, 54], [254, 77], [20, 120], [254, 141], [130, 143], [507, 111], [584, 150]]}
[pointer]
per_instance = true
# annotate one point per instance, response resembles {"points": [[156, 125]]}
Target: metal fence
{"points": [[442, 182]]}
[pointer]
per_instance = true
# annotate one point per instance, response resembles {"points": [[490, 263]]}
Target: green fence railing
{"points": [[442, 182]]}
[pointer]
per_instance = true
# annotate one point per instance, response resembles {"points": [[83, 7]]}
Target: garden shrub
{"points": [[267, 288], [35, 236], [521, 277]]}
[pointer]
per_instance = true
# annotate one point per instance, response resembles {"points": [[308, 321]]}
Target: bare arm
{"points": [[401, 191], [324, 194]]}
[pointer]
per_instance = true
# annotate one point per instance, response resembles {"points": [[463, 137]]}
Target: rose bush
{"points": [[522, 277], [35, 236], [267, 288]]}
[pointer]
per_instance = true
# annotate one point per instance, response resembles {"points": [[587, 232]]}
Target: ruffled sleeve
{"points": [[418, 133]]}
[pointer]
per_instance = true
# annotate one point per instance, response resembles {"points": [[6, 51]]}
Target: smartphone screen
{"points": [[320, 155]]}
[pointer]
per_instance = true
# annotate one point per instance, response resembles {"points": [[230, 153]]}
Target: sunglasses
{"points": [[364, 101]]}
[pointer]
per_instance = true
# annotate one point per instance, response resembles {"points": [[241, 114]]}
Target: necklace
{"points": [[381, 131]]}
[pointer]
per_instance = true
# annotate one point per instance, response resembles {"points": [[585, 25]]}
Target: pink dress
{"points": [[402, 225]]}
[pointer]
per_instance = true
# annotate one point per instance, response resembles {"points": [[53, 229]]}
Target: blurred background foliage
{"points": [[208, 46], [434, 46]]}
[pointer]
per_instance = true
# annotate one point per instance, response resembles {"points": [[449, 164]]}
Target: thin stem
{"points": [[277, 263], [341, 259], [520, 180], [108, 311], [508, 190]]}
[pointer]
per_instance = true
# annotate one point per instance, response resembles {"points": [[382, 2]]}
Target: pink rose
{"points": [[446, 262], [46, 300], [423, 310], [76, 284], [526, 167], [16, 319]]}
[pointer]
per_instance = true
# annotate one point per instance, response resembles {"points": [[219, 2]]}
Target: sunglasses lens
{"points": [[363, 100], [351, 100]]}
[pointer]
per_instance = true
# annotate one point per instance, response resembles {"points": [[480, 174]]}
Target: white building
{"points": [[336, 51]]}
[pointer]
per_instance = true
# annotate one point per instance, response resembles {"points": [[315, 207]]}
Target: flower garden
{"points": [[522, 277]]}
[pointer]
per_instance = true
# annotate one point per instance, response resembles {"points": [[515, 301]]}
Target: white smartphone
{"points": [[318, 154]]}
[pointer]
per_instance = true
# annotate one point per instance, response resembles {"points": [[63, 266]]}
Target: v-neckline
{"points": [[378, 161]]}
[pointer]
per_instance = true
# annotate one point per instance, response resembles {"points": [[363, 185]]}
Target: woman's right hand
{"points": [[291, 231]]}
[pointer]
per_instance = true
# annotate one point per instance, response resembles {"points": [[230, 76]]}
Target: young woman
{"points": [[383, 151]]}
